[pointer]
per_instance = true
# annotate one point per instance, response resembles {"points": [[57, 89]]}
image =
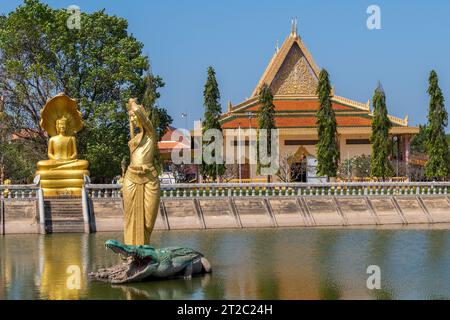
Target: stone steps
{"points": [[63, 215]]}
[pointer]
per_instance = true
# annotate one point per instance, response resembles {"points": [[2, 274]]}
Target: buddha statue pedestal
{"points": [[62, 174], [62, 178]]}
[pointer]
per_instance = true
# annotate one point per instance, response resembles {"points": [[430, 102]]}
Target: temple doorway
{"points": [[298, 171], [298, 165]]}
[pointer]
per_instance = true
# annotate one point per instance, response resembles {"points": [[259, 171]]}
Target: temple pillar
{"points": [[406, 146]]}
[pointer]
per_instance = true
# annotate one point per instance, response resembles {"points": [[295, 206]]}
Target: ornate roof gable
{"points": [[292, 71]]}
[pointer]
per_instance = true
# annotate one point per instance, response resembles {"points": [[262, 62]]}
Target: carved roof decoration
{"points": [[292, 65]]}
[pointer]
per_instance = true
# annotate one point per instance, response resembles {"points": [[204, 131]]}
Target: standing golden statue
{"points": [[62, 173], [141, 193], [141, 203]]}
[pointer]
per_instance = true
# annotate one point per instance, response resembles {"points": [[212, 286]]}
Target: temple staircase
{"points": [[63, 214]]}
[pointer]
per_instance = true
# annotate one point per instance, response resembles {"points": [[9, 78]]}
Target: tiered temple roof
{"points": [[292, 76]]}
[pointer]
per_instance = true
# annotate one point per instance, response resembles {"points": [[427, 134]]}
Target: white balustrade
{"points": [[217, 190]]}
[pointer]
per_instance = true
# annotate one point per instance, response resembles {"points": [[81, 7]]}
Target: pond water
{"points": [[247, 264]]}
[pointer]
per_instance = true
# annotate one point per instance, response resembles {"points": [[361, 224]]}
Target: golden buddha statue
{"points": [[62, 173]]}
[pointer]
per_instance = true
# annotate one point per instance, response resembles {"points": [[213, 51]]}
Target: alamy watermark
{"points": [[373, 22], [374, 280], [231, 146], [73, 281], [74, 20]]}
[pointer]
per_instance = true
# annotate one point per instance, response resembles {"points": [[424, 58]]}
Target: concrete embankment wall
{"points": [[106, 214], [305, 211], [19, 215]]}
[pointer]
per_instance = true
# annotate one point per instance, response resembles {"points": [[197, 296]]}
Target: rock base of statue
{"points": [[142, 263]]}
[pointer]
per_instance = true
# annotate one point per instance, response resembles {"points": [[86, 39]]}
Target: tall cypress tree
{"points": [[266, 120], [380, 165], [436, 143], [327, 146], [213, 110]]}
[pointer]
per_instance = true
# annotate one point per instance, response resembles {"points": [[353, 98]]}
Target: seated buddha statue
{"points": [[62, 173]]}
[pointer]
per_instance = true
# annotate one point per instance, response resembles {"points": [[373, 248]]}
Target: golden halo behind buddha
{"points": [[57, 107]]}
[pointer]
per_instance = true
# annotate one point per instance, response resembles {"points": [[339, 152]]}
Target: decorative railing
{"points": [[364, 106], [98, 191], [180, 190], [19, 191], [399, 120]]}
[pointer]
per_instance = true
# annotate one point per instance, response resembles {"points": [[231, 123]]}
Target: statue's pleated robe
{"points": [[141, 192]]}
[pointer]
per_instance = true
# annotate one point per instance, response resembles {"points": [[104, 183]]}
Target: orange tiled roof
{"points": [[170, 145], [296, 121], [299, 105], [168, 134], [166, 144]]}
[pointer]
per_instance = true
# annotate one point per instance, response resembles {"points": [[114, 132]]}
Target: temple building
{"points": [[292, 76]]}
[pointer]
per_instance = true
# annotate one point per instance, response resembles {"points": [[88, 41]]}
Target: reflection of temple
{"points": [[292, 76]]}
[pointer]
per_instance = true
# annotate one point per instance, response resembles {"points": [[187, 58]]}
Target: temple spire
{"points": [[294, 25]]}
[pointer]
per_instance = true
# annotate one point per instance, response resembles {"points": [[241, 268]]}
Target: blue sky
{"points": [[238, 39]]}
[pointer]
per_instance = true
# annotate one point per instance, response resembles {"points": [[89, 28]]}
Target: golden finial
{"points": [[294, 23]]}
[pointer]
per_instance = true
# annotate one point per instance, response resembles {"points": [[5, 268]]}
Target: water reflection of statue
{"points": [[170, 290], [141, 183], [62, 173]]}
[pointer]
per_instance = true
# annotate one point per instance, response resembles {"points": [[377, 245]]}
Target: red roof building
{"points": [[292, 76]]}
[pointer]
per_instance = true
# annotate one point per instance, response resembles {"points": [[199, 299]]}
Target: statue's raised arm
{"points": [[139, 112]]}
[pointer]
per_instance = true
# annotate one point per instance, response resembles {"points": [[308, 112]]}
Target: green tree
{"points": [[14, 158], [356, 167], [101, 65], [266, 121], [436, 143], [418, 143], [160, 118], [213, 110], [380, 165], [327, 146]]}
